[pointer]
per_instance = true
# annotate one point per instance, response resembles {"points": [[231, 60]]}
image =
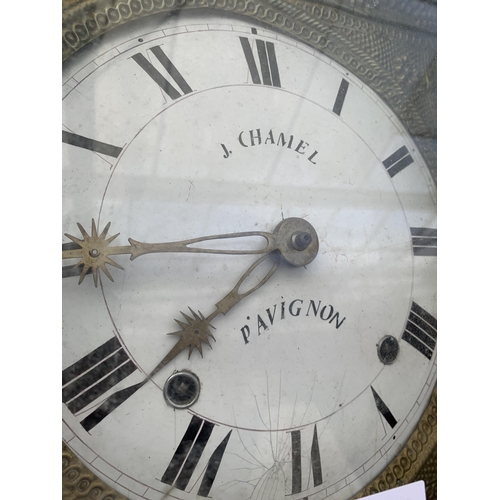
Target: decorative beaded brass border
{"points": [[343, 37]]}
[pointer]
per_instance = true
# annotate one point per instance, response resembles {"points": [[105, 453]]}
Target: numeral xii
{"points": [[267, 62]]}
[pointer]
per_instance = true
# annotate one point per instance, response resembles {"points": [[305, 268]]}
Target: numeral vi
{"points": [[188, 454], [297, 461]]}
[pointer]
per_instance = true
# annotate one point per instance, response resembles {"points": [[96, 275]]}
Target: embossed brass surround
{"points": [[389, 45]]}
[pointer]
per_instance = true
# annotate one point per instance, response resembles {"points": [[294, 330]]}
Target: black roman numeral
{"points": [[188, 454], [398, 161], [339, 101], [424, 240], [70, 271], [92, 376], [157, 77], [384, 410], [421, 331], [297, 461], [267, 62], [84, 142]]}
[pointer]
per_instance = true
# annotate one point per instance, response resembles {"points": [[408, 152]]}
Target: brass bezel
{"points": [[363, 45]]}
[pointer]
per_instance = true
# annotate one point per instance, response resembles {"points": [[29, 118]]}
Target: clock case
{"points": [[391, 46]]}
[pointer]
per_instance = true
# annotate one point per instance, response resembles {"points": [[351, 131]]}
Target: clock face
{"points": [[196, 125]]}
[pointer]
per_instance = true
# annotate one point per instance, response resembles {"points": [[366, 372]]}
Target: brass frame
{"points": [[395, 60]]}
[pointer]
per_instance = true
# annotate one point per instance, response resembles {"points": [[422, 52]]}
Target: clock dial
{"points": [[181, 128]]}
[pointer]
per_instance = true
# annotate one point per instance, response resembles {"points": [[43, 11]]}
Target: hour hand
{"points": [[195, 328], [294, 238]]}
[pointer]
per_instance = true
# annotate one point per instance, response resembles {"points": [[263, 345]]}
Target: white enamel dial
{"points": [[182, 127]]}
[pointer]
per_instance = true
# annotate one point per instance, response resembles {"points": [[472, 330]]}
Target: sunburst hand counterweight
{"points": [[195, 329]]}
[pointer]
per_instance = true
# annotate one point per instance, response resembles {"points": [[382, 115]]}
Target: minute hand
{"points": [[137, 248], [294, 238]]}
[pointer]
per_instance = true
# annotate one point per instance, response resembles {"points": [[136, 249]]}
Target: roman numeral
{"points": [[93, 375], [421, 331], [267, 62], [384, 410], [70, 271], [157, 77], [91, 144], [339, 101], [188, 454], [424, 240], [398, 161], [297, 461]]}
